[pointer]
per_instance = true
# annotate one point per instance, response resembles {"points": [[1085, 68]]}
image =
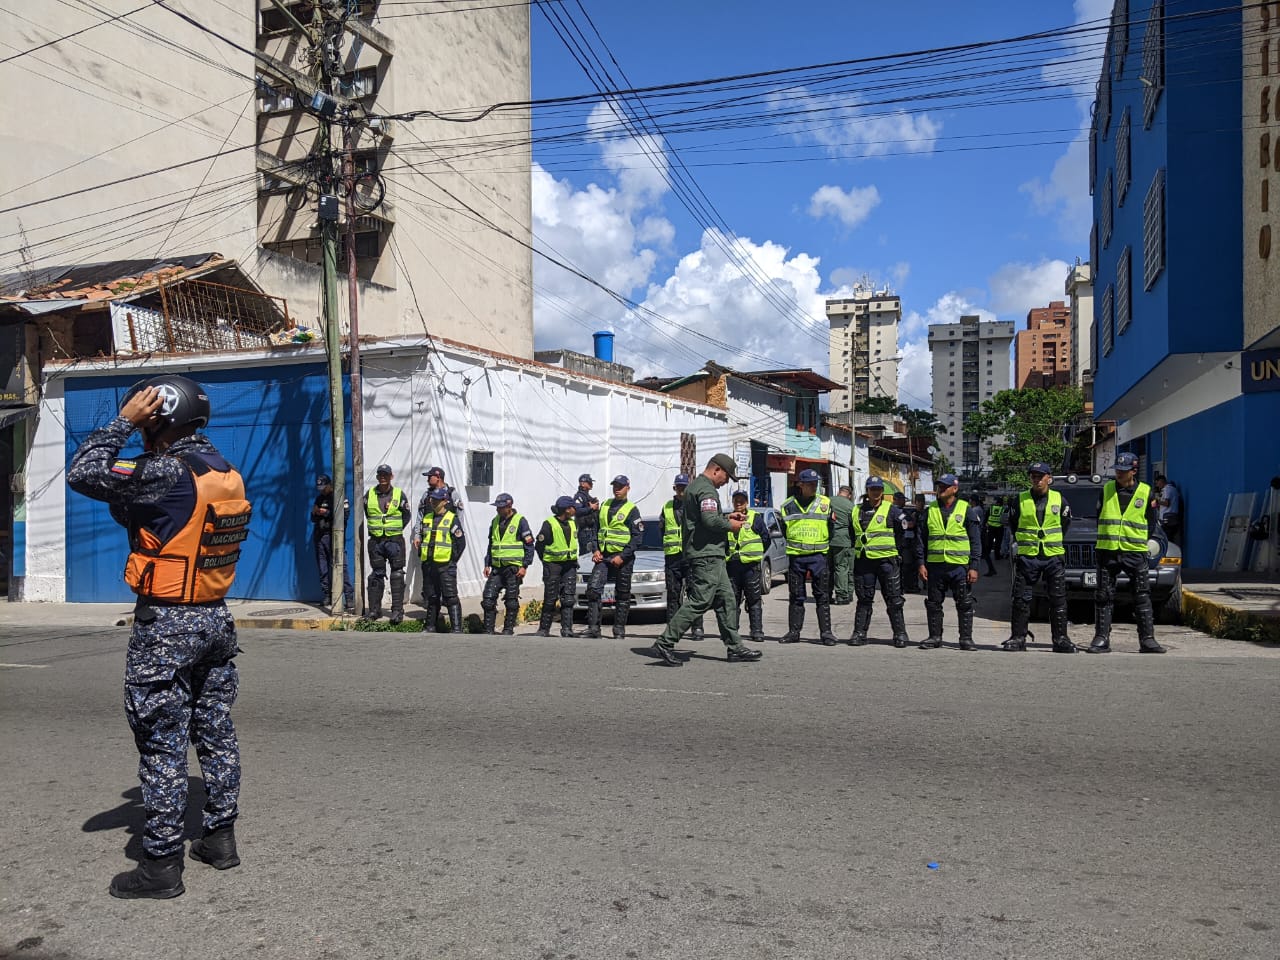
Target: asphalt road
{"points": [[412, 796]]}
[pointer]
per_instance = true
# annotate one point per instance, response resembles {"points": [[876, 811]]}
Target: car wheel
{"points": [[1171, 610], [766, 576]]}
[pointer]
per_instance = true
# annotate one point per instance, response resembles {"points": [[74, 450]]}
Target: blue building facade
{"points": [[1166, 160]]}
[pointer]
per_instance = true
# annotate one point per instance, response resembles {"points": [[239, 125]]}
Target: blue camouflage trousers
{"points": [[180, 681]]}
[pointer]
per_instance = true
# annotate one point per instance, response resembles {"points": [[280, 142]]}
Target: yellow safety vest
{"points": [[877, 541], [672, 535], [505, 549], [1125, 531], [949, 542], [437, 537], [994, 515], [808, 528], [746, 546], [614, 532], [1035, 537], [390, 523], [560, 550]]}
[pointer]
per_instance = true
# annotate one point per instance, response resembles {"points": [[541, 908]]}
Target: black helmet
{"points": [[184, 401]]}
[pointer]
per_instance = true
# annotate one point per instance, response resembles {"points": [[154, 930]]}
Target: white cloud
{"points": [[915, 371], [851, 207], [894, 275], [1017, 287], [844, 127]]}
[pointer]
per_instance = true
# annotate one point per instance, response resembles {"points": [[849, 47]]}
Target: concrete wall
{"points": [[1261, 112]]}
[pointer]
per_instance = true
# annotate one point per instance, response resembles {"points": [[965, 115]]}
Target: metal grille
{"points": [[688, 453], [1081, 555], [200, 315]]}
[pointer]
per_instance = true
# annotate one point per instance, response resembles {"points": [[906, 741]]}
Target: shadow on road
{"points": [[130, 817]]}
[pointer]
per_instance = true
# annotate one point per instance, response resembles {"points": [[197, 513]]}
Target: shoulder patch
{"points": [[709, 505], [1056, 508], [1137, 501], [124, 468], [640, 526]]}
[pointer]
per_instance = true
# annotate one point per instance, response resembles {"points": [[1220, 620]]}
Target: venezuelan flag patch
{"points": [[124, 468]]}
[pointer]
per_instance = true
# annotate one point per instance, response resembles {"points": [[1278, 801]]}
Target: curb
{"points": [[1214, 617], [290, 623]]}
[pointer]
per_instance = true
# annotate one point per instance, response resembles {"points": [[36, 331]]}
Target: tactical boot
{"points": [[1015, 644], [1019, 627], [933, 615], [151, 879], [542, 632], [824, 625], [593, 619], [217, 848], [743, 654], [490, 621], [373, 602], [1100, 645], [930, 643], [455, 617], [1102, 621], [620, 621], [544, 624], [861, 624], [1064, 645], [1146, 619], [698, 631], [795, 623], [666, 654], [509, 621], [899, 624], [1149, 645], [966, 629], [756, 618], [432, 621]]}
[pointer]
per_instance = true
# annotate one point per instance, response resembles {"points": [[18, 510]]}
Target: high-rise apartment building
{"points": [[1042, 352], [153, 138], [970, 364], [864, 345], [1079, 291]]}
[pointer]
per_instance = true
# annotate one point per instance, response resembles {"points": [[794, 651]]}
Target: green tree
{"points": [[877, 405], [1026, 425], [920, 423]]}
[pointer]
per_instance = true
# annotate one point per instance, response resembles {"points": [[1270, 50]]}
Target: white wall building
{"points": [[970, 365], [863, 332], [1079, 291]]}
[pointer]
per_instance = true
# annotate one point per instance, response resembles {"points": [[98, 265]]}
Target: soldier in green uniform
{"points": [[841, 550], [706, 534]]}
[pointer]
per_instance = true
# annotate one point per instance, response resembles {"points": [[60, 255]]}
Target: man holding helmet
{"points": [[186, 514]]}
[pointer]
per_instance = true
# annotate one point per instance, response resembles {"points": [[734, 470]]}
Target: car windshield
{"points": [[652, 534], [1083, 501]]}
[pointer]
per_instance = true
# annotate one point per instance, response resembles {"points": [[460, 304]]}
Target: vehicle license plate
{"points": [[608, 596], [1091, 578]]}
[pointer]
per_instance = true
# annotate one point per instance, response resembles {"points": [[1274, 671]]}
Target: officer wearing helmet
{"points": [[386, 513], [186, 514], [806, 520], [676, 567], [875, 525]]}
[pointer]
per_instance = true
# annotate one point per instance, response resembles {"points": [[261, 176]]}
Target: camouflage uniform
{"points": [[180, 676]]}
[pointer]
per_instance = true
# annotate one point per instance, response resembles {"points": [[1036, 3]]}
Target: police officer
{"points": [[746, 551], [441, 543], [506, 560], [1039, 518], [676, 567], [557, 547], [322, 543], [1124, 527], [875, 524], [586, 514], [386, 512], [706, 531], [435, 481], [180, 674], [993, 535], [620, 534], [947, 560], [806, 521], [840, 556], [912, 517]]}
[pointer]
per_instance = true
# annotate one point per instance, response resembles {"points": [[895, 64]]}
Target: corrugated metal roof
{"points": [[37, 307]]}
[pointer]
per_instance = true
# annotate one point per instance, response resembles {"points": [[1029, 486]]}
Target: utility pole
{"points": [[353, 289]]}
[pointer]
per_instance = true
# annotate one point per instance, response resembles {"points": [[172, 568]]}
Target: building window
{"points": [[1104, 211], [1119, 36], [1153, 252], [1124, 290], [362, 83], [1152, 77], [1106, 314], [1123, 165], [368, 245], [1093, 246], [1104, 97]]}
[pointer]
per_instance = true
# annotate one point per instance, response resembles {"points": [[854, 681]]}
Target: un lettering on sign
{"points": [[1260, 371]]}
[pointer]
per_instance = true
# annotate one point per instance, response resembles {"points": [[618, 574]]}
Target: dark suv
{"points": [[1165, 559]]}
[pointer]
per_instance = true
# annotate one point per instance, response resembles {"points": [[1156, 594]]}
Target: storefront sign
{"points": [[1260, 371]]}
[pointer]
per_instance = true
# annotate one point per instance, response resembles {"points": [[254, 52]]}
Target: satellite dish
{"points": [[933, 451]]}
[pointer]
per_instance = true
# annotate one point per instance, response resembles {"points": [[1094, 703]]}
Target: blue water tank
{"points": [[604, 345]]}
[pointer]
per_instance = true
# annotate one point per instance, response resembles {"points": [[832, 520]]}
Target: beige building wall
{"points": [[1261, 173], [863, 345], [151, 90], [1079, 291]]}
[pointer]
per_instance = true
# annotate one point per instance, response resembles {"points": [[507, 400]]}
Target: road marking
{"points": [[704, 693], [24, 666]]}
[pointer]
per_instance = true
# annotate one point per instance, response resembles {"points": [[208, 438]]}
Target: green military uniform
{"points": [[841, 550], [706, 536]]}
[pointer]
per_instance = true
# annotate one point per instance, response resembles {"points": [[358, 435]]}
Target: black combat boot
{"points": [[899, 624], [1146, 619], [824, 625], [795, 623], [566, 623], [217, 848], [934, 616], [743, 654], [698, 631], [157, 878], [593, 618], [544, 624], [490, 621], [756, 617], [431, 623], [509, 621], [455, 617], [373, 601], [861, 624], [1100, 645], [966, 628], [620, 620]]}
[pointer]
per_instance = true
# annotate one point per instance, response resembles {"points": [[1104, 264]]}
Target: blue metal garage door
{"points": [[273, 424]]}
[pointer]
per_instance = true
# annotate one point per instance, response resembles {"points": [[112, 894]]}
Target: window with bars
{"points": [[1105, 212], [1153, 246], [1104, 96], [1152, 77], [1119, 36], [1107, 320], [1093, 246], [1124, 290], [1123, 160]]}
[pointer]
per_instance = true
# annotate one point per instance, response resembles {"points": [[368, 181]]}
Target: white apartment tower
{"points": [[864, 345], [970, 364], [1079, 291]]}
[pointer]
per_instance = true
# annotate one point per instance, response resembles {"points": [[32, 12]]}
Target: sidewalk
{"points": [[1236, 606]]}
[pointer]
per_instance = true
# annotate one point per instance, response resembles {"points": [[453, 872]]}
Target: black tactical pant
{"points": [[869, 573], [816, 566], [950, 578], [1110, 564], [559, 582], [323, 542], [1027, 572], [908, 576], [602, 573], [504, 580], [440, 586], [677, 573], [384, 551], [745, 578]]}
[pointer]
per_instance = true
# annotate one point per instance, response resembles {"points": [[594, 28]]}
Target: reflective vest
{"points": [[505, 548], [614, 532], [949, 542], [437, 537], [877, 541], [1035, 537], [994, 515], [808, 528], [197, 564], [1128, 530], [384, 524], [746, 546], [672, 535], [561, 550]]}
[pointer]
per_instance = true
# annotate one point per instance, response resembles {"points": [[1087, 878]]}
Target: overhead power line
{"points": [[76, 33]]}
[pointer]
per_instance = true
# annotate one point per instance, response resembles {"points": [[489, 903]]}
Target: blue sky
{"points": [[935, 202]]}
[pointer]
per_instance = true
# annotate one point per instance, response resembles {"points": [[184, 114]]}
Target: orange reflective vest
{"points": [[198, 563]]}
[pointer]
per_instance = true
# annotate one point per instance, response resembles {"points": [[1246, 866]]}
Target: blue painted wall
{"points": [[273, 424]]}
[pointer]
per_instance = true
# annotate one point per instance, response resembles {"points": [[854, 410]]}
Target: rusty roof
{"points": [[108, 280]]}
